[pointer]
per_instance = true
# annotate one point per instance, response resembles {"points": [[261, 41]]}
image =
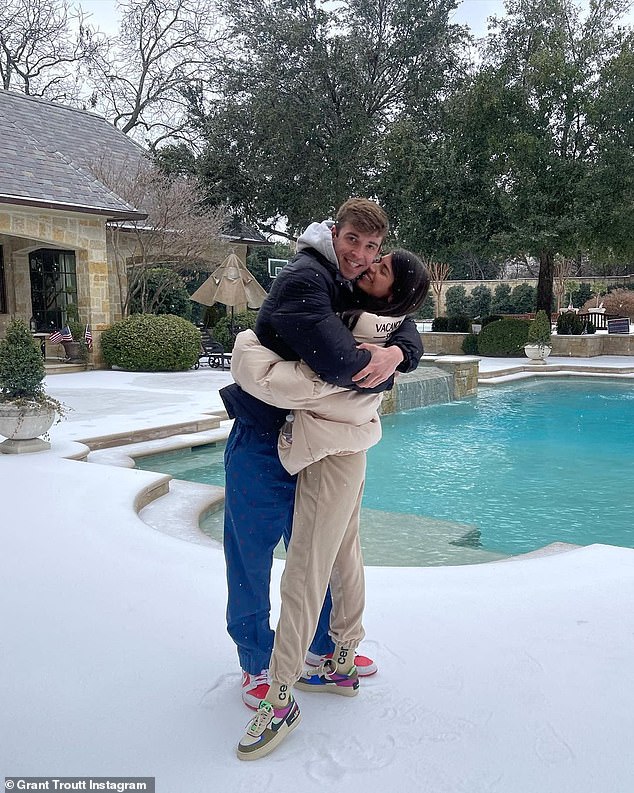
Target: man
{"points": [[298, 320]]}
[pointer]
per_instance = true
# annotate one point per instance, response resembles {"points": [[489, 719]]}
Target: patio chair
{"points": [[212, 352]]}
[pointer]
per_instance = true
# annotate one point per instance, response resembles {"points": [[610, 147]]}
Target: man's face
{"points": [[355, 250]]}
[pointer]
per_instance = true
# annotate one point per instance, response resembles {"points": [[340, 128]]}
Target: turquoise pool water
{"points": [[527, 464], [516, 468]]}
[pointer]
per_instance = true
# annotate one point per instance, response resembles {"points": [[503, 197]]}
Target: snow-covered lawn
{"points": [[510, 677]]}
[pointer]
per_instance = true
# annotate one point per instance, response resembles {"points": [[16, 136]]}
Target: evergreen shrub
{"points": [[504, 338], [459, 324], [440, 324], [222, 329], [151, 343], [589, 328], [165, 293], [21, 364], [470, 344], [22, 370], [539, 330], [456, 301], [491, 318], [569, 324]]}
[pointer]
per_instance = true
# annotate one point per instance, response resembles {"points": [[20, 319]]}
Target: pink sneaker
{"points": [[365, 666], [255, 688]]}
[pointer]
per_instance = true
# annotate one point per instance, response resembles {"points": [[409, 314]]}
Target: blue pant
{"points": [[259, 499]]}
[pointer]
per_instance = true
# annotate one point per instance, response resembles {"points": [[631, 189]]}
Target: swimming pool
{"points": [[527, 464], [514, 469]]}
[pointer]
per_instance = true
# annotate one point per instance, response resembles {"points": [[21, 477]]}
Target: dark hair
{"points": [[411, 285], [365, 215]]}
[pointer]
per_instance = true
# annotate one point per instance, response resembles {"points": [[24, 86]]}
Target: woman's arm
{"points": [[293, 384], [263, 374]]}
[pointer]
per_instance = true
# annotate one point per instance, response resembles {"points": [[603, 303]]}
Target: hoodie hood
{"points": [[319, 237]]}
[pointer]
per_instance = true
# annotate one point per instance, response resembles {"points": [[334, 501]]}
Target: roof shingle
{"points": [[46, 151]]}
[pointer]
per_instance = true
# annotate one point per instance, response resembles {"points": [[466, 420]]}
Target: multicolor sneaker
{"points": [[326, 679], [255, 688], [267, 729], [365, 666]]}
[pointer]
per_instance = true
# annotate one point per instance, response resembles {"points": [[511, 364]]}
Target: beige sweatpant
{"points": [[324, 548]]}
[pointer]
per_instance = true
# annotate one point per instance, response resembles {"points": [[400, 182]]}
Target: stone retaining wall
{"points": [[438, 343], [564, 346], [592, 345]]}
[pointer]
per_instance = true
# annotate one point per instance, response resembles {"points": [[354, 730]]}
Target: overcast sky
{"points": [[471, 12]]}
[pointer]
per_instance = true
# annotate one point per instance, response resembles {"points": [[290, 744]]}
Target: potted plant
{"points": [[26, 411], [538, 346], [77, 349]]}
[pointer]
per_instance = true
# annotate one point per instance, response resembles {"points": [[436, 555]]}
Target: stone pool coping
{"points": [[494, 371]]}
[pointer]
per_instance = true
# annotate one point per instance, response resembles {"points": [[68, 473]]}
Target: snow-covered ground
{"points": [[509, 677]]}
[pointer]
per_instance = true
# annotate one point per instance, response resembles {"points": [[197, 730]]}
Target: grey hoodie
{"points": [[319, 237]]}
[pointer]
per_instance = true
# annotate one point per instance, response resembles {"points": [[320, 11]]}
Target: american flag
{"points": [[88, 337], [55, 337], [66, 334]]}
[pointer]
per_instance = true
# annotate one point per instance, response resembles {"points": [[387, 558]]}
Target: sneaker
{"points": [[326, 679], [267, 729], [365, 666], [255, 688]]}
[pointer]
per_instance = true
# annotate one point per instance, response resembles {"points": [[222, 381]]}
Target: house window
{"points": [[53, 287], [3, 290]]}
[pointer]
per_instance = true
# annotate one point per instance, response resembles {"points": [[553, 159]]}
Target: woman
{"points": [[325, 442]]}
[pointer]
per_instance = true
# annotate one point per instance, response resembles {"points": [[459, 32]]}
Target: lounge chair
{"points": [[212, 352]]}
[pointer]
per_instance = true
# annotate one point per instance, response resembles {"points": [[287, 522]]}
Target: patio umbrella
{"points": [[231, 284]]}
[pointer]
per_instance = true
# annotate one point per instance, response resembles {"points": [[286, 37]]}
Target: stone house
{"points": [[55, 244]]}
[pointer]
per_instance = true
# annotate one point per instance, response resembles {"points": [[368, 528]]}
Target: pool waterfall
{"points": [[437, 380]]}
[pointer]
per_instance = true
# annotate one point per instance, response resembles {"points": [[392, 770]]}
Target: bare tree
{"points": [[438, 273], [562, 274], [166, 50], [43, 45], [179, 233]]}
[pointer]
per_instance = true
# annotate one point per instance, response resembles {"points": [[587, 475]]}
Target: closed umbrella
{"points": [[232, 285]]}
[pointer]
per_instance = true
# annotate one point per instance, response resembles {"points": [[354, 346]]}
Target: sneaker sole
{"points": [[328, 688], [362, 671], [271, 745]]}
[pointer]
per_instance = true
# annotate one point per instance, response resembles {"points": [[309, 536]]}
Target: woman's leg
{"points": [[347, 585], [327, 503]]}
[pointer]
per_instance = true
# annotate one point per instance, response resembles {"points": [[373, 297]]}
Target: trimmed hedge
{"points": [[503, 339], [151, 343], [440, 324], [571, 324], [458, 323], [470, 344]]}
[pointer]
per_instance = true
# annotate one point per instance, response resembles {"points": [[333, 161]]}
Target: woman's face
{"points": [[378, 280]]}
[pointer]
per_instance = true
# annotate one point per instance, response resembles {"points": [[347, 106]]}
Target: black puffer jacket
{"points": [[298, 320]]}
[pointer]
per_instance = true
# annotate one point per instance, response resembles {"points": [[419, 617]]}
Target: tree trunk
{"points": [[545, 281]]}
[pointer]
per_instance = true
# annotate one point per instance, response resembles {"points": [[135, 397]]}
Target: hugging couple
{"points": [[328, 340]]}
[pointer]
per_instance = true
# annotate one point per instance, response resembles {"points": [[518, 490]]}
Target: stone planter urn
{"points": [[538, 353], [22, 427]]}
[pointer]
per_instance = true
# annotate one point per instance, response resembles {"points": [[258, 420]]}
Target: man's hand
{"points": [[382, 365]]}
